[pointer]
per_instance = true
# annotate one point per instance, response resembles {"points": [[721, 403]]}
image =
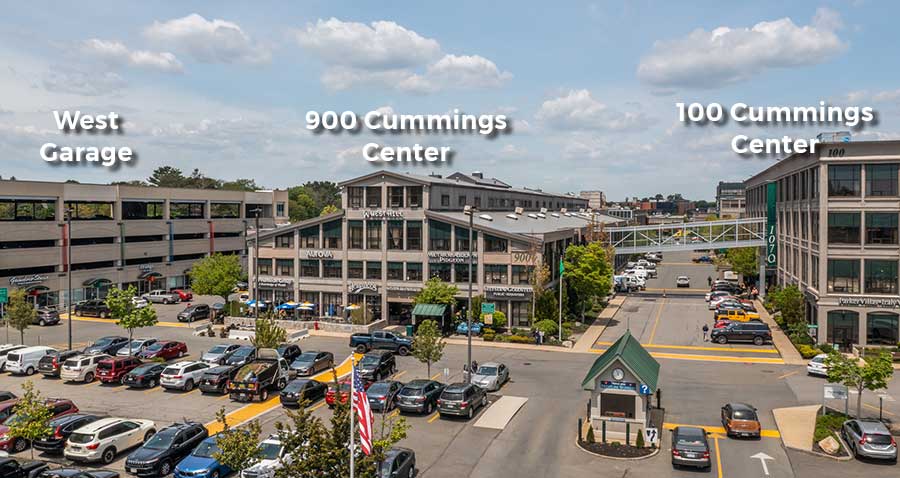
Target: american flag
{"points": [[363, 413]]}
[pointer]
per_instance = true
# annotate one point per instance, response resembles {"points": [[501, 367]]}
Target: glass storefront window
{"points": [[355, 269], [284, 241], [461, 271], [843, 328], [373, 270], [495, 244], [462, 239], [843, 275], [264, 267], [495, 274], [413, 196], [882, 328], [331, 304], [881, 276], [843, 227], [373, 196], [881, 228], [439, 236], [521, 274], [881, 180], [440, 270], [414, 271], [331, 232], [395, 196], [284, 267], [520, 313], [309, 237], [843, 180], [355, 196]]}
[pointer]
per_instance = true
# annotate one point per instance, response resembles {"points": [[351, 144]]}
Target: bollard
{"points": [[603, 431], [627, 433], [579, 429], [658, 398]]}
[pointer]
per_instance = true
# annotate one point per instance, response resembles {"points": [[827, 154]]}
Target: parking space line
{"points": [[765, 433], [873, 407], [710, 358], [318, 406], [656, 321], [435, 376], [718, 455], [434, 417], [153, 390], [398, 375], [795, 372], [394, 414], [704, 348]]}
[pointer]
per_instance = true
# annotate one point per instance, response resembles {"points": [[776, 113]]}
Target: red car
{"points": [[331, 395], [721, 324], [166, 349], [60, 407], [6, 409], [184, 295], [113, 369]]}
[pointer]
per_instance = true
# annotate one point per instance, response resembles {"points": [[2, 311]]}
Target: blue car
{"points": [[463, 328], [201, 464]]}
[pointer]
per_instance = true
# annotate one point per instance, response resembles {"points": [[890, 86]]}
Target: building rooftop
{"points": [[528, 223]]}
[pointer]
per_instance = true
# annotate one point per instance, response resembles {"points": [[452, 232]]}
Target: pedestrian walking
{"points": [[705, 332], [474, 366], [540, 337], [709, 281]]}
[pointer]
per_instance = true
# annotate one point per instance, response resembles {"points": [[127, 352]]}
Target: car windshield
{"points": [[104, 366], [269, 451], [103, 342], [143, 369], [155, 347], [136, 344], [744, 415], [369, 360], [306, 358], [243, 352], [206, 449], [378, 388], [218, 349], [689, 438], [160, 441], [81, 438], [411, 391], [485, 370], [343, 386], [818, 360], [295, 386]]}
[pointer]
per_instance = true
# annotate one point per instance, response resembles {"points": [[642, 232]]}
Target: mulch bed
{"points": [[616, 451]]}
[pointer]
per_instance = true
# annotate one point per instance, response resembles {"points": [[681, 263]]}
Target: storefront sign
{"points": [[771, 215], [452, 257], [508, 291], [880, 302], [382, 214], [27, 280], [320, 254], [358, 287], [403, 288], [617, 385], [523, 257], [145, 267], [273, 283]]}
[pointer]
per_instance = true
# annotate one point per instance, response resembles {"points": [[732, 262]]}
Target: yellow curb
{"points": [[709, 358], [113, 321], [699, 347], [765, 433]]}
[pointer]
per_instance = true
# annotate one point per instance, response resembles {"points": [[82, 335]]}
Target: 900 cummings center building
{"points": [[397, 230]]}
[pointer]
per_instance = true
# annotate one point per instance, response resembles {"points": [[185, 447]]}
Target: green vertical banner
{"points": [[562, 267], [771, 217]]}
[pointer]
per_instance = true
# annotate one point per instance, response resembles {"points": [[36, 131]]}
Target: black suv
{"points": [[93, 307], [158, 455], [419, 396], [106, 345], [61, 428], [11, 468], [461, 399], [49, 364], [289, 352], [194, 312], [377, 365], [752, 331], [144, 376], [215, 379]]}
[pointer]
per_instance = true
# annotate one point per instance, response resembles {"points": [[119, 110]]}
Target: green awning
{"points": [[97, 282], [628, 350], [429, 310]]}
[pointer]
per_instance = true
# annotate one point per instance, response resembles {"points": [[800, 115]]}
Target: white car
{"points": [[5, 349], [25, 361], [105, 438], [272, 456], [81, 368], [139, 302], [716, 300], [182, 375], [683, 281], [817, 366], [135, 347], [716, 293]]}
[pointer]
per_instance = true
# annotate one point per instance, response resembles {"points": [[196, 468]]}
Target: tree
{"points": [[437, 291], [216, 275], [790, 302], [240, 184], [329, 209], [428, 345], [268, 335], [588, 272], [238, 448], [126, 315], [32, 416], [20, 312], [167, 177], [871, 373], [547, 306], [323, 193], [743, 261], [300, 205], [539, 277]]}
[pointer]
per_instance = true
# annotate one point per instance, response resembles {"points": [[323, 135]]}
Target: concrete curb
{"points": [[594, 332], [638, 458], [785, 347], [844, 448], [297, 335]]}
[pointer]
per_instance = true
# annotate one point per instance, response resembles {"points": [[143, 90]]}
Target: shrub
{"points": [[488, 336], [590, 435], [798, 332], [828, 425], [549, 327], [640, 439], [520, 339], [807, 351]]}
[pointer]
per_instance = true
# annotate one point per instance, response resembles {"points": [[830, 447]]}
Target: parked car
{"points": [[103, 439], [182, 375], [716, 293], [50, 364], [702, 259], [381, 340], [683, 281], [165, 349], [183, 295], [61, 428], [491, 376], [337, 393], [737, 315], [7, 407], [25, 361], [419, 396], [869, 439], [139, 302], [289, 352], [193, 313], [58, 407], [160, 296], [201, 462], [376, 365], [215, 379], [144, 376], [217, 310], [158, 455], [716, 300], [242, 356], [690, 447], [312, 362], [81, 368], [46, 316], [136, 347], [461, 399], [6, 395], [302, 389], [92, 308], [817, 366], [12, 468], [217, 354], [272, 456], [78, 473], [256, 379], [113, 370], [109, 345], [383, 395], [740, 420], [4, 351], [398, 463], [463, 328], [756, 332]]}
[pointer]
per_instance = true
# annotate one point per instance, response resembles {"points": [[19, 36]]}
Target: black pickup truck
{"points": [[381, 340], [11, 468]]}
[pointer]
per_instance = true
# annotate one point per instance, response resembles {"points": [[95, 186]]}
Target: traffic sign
{"points": [[645, 389], [487, 308], [836, 392], [651, 435], [3, 295]]}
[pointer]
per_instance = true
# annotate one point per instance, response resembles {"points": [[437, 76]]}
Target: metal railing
{"points": [[688, 236]]}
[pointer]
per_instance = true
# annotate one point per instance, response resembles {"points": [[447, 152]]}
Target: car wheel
{"points": [[151, 383], [29, 371], [360, 349], [403, 351], [149, 435], [722, 339], [42, 322], [263, 395], [189, 385], [758, 341], [19, 445], [281, 384], [165, 468], [108, 456], [180, 353], [89, 377], [471, 413], [215, 474]]}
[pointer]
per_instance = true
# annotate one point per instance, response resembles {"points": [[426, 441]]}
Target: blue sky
{"points": [[590, 86]]}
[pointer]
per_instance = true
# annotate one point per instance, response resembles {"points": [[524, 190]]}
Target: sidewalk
{"points": [[788, 352], [593, 333], [796, 425]]}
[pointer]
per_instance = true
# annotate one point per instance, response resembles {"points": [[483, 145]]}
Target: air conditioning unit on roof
{"points": [[519, 210]]}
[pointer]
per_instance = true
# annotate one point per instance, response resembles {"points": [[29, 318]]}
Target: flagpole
{"points": [[561, 270], [352, 412]]}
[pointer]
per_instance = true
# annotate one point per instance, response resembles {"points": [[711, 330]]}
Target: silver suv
{"points": [[182, 375], [870, 439]]}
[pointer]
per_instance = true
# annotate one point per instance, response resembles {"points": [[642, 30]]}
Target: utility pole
{"points": [[256, 212], [69, 272], [471, 212]]}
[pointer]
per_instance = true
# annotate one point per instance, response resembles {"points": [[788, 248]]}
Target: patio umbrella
{"points": [[307, 303], [285, 306], [304, 307], [352, 307]]}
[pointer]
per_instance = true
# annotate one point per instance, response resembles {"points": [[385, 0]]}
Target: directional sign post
{"points": [[651, 435], [644, 389], [762, 457]]}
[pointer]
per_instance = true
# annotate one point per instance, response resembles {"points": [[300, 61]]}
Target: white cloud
{"points": [[80, 83], [382, 45], [466, 71], [117, 53], [208, 41], [578, 110], [711, 59], [513, 150]]}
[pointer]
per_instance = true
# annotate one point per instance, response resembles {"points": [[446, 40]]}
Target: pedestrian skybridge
{"points": [[688, 236]]}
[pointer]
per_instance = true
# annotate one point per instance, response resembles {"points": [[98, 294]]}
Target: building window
{"points": [[882, 328], [843, 227], [881, 228], [495, 274], [373, 196], [413, 235], [142, 210], [814, 219], [843, 180], [414, 196], [495, 244], [462, 239], [332, 269], [843, 275], [461, 270], [222, 210], [440, 270], [373, 234], [395, 196], [438, 236], [356, 234], [309, 238], [881, 276], [355, 269], [284, 267], [264, 267], [186, 210], [843, 327], [309, 268], [395, 271], [445, 200], [395, 235], [814, 269], [331, 231], [521, 275], [478, 202], [414, 271], [519, 313], [87, 210], [461, 200], [279, 209], [373, 270], [27, 210], [881, 180], [284, 241], [355, 194]]}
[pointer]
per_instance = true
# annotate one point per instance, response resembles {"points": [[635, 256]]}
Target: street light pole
{"points": [[69, 272], [256, 265], [471, 211]]}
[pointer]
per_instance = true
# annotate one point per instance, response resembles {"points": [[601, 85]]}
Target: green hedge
{"points": [[828, 425]]}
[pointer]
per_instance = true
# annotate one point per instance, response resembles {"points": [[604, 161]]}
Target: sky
{"points": [[590, 87]]}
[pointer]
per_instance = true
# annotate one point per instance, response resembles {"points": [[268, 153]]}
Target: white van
{"points": [[25, 361]]}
